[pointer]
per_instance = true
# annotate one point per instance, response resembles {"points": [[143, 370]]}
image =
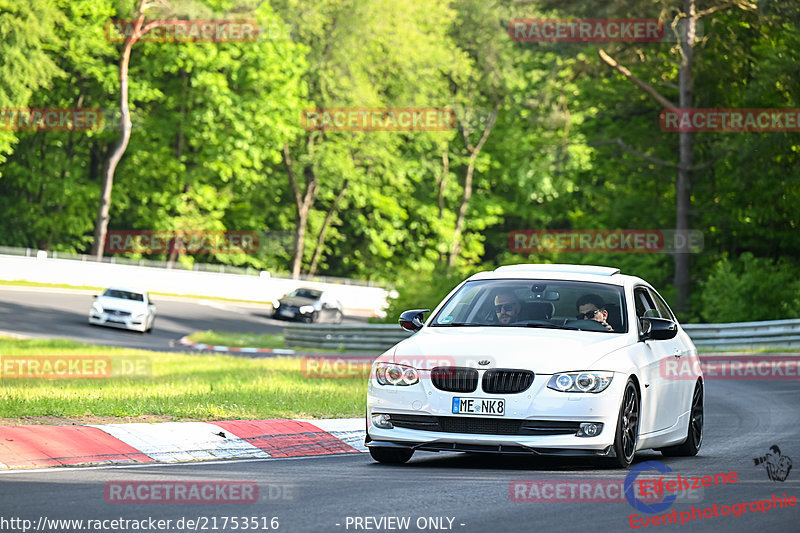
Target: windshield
{"points": [[124, 295], [305, 293], [575, 305]]}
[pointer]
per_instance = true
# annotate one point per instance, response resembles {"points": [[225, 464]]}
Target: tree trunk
{"points": [[303, 202], [683, 187], [101, 224], [462, 209], [299, 241], [312, 269], [443, 180], [174, 250]]}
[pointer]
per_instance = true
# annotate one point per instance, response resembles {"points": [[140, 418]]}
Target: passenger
{"points": [[507, 307], [591, 307]]}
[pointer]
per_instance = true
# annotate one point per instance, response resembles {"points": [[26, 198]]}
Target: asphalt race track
{"points": [[48, 313], [320, 494]]}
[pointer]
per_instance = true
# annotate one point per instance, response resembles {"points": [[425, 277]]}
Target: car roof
{"points": [[590, 273]]}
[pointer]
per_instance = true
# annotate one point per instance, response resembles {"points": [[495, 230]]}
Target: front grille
{"points": [[484, 426], [506, 381], [454, 379], [117, 312], [487, 426]]}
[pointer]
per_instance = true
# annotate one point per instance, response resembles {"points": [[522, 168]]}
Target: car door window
{"points": [[643, 302], [661, 305], [645, 308]]}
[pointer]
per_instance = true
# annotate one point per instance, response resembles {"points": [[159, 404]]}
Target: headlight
{"points": [[306, 309], [392, 374], [580, 381], [97, 308], [276, 304]]}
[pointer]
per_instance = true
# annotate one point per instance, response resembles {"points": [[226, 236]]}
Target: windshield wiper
{"points": [[451, 324]]}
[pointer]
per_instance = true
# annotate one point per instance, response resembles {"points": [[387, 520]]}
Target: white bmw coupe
{"points": [[562, 360]]}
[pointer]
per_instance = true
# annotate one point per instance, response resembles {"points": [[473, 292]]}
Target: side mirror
{"points": [[412, 320], [95, 296], [659, 329]]}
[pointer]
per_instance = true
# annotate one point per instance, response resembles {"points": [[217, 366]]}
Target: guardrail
{"points": [[372, 337], [381, 337], [746, 335]]}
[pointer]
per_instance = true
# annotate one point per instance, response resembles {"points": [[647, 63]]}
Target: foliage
{"points": [[422, 292], [575, 145], [750, 288]]}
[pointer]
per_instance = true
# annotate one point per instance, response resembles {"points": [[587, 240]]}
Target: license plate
{"points": [[479, 406], [286, 312]]}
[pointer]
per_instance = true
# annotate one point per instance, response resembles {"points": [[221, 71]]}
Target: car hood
{"points": [[121, 304], [297, 301], [544, 351]]}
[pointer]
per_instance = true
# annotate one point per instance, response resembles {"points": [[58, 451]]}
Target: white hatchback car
{"points": [[567, 360], [122, 307]]}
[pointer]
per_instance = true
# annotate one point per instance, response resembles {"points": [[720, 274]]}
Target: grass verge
{"points": [[175, 385]]}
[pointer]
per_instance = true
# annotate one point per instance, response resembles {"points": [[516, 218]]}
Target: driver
{"points": [[591, 307], [507, 307]]}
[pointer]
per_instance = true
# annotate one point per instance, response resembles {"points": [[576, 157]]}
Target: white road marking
{"points": [[182, 441]]}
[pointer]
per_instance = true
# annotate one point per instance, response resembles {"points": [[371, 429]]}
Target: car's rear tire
{"points": [[395, 456], [694, 433], [627, 431]]}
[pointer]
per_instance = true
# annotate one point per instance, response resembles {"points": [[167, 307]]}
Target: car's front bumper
{"points": [[104, 319], [295, 315], [538, 403]]}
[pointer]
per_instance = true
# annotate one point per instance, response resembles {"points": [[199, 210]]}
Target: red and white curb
{"points": [[173, 442], [184, 341]]}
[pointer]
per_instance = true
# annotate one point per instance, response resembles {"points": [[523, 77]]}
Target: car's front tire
{"points": [[694, 433], [627, 431], [395, 456]]}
